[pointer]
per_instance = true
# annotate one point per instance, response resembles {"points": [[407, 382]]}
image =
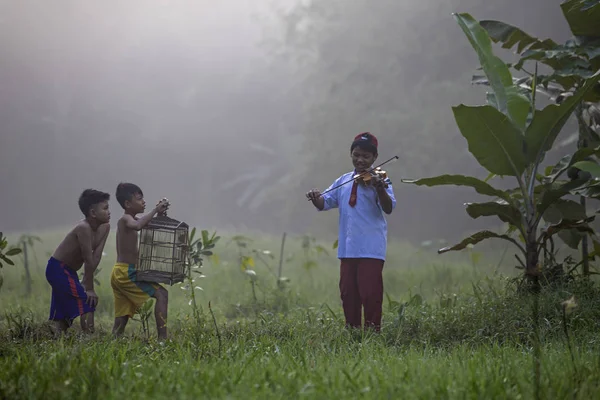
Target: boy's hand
{"points": [[313, 194], [378, 182], [162, 206], [92, 298]]}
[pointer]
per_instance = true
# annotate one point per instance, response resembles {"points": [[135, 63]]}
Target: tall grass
{"points": [[453, 327]]}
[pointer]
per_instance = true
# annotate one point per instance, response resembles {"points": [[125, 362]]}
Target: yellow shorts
{"points": [[129, 293]]}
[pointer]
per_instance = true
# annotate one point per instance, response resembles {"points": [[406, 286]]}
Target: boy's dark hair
{"points": [[125, 191], [89, 198], [365, 141]]}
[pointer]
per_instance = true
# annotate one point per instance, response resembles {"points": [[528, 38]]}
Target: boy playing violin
{"points": [[362, 237]]}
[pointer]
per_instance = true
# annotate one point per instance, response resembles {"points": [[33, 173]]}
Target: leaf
{"points": [[589, 166], [476, 238], [480, 186], [548, 123], [6, 260], [582, 17], [192, 234], [509, 100], [204, 236], [555, 191], [510, 36], [496, 143], [502, 210], [564, 210], [579, 225], [14, 251], [335, 244], [567, 161], [247, 262], [592, 191], [571, 238], [596, 245]]}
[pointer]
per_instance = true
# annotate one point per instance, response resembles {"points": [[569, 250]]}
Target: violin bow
{"points": [[364, 172]]}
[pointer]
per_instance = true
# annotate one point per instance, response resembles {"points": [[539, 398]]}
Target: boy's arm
{"points": [[100, 246], [386, 196], [84, 237], [138, 224], [327, 201]]}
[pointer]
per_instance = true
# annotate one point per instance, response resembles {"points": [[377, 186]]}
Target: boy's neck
{"points": [[128, 212], [94, 224]]}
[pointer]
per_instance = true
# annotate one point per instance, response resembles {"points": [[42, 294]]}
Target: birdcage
{"points": [[163, 251]]}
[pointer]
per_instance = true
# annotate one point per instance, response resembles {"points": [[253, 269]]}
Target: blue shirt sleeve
{"points": [[331, 199], [390, 192]]}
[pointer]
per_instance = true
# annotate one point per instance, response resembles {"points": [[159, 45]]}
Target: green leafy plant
{"points": [[145, 313], [571, 64], [199, 249], [5, 255], [510, 137]]}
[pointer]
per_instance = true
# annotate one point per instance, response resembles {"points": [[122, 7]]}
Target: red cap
{"points": [[367, 138]]}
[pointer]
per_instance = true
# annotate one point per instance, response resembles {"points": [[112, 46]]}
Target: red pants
{"points": [[361, 284]]}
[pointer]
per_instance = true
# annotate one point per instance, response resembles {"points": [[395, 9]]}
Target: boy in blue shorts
{"points": [[362, 237], [82, 246]]}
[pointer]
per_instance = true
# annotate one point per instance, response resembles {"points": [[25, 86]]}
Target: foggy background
{"points": [[234, 109]]}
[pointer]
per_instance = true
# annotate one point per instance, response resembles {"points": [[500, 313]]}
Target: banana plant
{"points": [[509, 137], [571, 64]]}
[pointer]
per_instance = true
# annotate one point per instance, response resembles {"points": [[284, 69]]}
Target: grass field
{"points": [[453, 328]]}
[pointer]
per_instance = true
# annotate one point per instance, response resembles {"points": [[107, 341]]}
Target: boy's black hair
{"points": [[89, 198], [365, 141], [125, 191]]}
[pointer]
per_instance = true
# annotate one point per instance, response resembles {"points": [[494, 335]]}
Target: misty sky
{"points": [[197, 101]]}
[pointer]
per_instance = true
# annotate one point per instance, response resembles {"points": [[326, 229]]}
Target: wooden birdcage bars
{"points": [[163, 251]]}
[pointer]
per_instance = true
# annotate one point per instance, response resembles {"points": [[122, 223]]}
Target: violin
{"points": [[368, 177]]}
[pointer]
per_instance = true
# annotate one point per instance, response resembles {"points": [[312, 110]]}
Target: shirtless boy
{"points": [[130, 293], [82, 246]]}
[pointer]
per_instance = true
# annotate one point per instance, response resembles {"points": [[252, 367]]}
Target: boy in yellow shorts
{"points": [[130, 293]]}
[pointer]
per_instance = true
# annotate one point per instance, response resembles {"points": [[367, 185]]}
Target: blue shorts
{"points": [[68, 295]]}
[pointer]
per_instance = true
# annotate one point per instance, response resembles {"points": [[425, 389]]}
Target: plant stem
{"points": [[216, 327], [584, 248], [27, 271], [529, 201], [281, 261], [537, 351]]}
